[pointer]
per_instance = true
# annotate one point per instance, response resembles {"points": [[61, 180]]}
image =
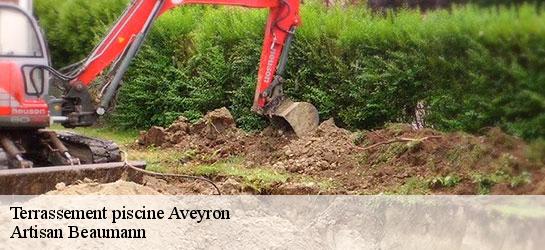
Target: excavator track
{"points": [[100, 161], [90, 150]]}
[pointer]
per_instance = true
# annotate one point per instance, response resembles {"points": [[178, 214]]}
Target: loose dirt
{"points": [[89, 187], [396, 159], [147, 185]]}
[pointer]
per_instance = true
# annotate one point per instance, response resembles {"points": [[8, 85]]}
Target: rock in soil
{"points": [[155, 136]]}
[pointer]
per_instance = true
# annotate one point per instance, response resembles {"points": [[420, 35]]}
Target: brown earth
{"points": [[396, 159], [89, 187], [149, 186]]}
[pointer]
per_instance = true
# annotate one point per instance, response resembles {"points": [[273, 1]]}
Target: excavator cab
{"points": [[23, 86], [25, 144]]}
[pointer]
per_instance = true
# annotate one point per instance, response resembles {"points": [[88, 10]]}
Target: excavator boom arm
{"points": [[127, 35]]}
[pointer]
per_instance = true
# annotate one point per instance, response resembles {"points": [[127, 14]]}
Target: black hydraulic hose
{"points": [[51, 70], [282, 63], [191, 177], [285, 52]]}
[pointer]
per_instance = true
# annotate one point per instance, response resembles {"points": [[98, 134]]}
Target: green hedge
{"points": [[472, 67], [74, 27]]}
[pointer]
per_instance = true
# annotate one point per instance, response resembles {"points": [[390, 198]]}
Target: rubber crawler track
{"points": [[103, 151]]}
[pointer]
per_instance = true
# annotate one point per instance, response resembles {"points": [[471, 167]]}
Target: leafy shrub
{"points": [[73, 27]]}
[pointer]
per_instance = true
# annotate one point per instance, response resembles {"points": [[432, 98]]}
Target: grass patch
{"points": [[413, 186], [161, 160], [121, 137], [323, 185], [258, 179], [536, 152]]}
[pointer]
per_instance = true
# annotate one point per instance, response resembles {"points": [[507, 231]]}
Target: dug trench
{"points": [[394, 160]]}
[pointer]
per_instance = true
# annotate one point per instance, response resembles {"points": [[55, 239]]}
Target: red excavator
{"points": [[28, 105]]}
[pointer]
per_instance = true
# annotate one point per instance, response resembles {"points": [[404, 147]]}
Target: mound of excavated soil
{"points": [[385, 160], [217, 137], [149, 185], [88, 187], [327, 148]]}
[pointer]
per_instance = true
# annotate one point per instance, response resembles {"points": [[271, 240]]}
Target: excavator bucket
{"points": [[302, 117]]}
